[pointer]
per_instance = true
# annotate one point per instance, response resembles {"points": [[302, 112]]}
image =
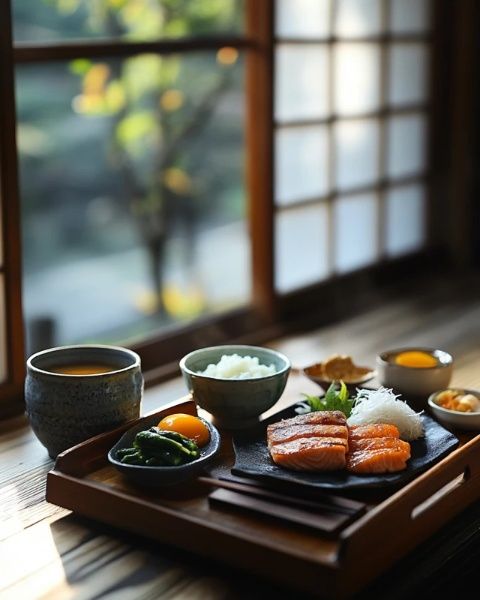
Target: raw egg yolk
{"points": [[187, 425], [416, 359]]}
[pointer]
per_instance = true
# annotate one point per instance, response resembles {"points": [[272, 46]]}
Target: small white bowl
{"points": [[411, 381], [455, 418]]}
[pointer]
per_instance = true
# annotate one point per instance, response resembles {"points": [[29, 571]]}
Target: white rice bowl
{"points": [[234, 366]]}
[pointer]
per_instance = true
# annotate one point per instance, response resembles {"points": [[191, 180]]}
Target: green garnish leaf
{"points": [[333, 400]]}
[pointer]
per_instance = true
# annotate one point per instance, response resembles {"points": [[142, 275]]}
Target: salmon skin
{"points": [[315, 441], [376, 449], [311, 454]]}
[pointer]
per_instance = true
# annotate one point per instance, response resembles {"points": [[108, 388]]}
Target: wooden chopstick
{"points": [[325, 503]]}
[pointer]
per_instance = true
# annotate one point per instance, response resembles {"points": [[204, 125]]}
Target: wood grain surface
{"points": [[46, 552]]}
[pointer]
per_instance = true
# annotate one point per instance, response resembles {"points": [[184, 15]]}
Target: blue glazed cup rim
{"points": [[31, 367]]}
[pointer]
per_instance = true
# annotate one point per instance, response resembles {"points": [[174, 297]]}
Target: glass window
{"points": [[132, 20], [301, 163], [357, 18], [407, 81], [357, 153], [357, 78], [301, 247], [406, 145], [405, 219], [302, 18], [301, 82], [409, 16], [356, 231], [133, 194]]}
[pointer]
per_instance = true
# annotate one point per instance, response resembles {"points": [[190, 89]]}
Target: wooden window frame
{"points": [[269, 314]]}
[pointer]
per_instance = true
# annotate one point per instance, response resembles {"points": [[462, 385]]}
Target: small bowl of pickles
{"points": [[161, 453], [415, 371], [456, 408]]}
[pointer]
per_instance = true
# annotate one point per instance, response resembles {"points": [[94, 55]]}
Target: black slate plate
{"points": [[252, 459]]}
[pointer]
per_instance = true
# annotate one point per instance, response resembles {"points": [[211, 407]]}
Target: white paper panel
{"points": [[301, 247], [405, 228], [301, 163], [406, 136], [356, 226], [408, 16], [357, 149], [302, 18], [407, 73], [357, 78], [356, 18], [3, 332], [301, 80]]}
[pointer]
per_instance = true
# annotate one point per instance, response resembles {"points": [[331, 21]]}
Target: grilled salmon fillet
{"points": [[377, 430], [285, 434], [323, 417], [385, 460], [310, 454], [313, 442], [376, 449]]}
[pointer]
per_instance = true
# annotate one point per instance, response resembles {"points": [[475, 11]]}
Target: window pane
{"points": [[356, 230], [407, 73], [357, 78], [132, 194], [301, 247], [357, 150], [405, 219], [406, 145], [356, 18], [301, 170], [302, 18], [41, 21], [3, 332], [301, 82], [409, 16]]}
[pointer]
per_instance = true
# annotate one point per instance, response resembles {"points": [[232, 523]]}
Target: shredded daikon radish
{"points": [[383, 406]]}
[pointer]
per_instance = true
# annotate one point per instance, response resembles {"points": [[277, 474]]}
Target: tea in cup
{"points": [[73, 393]]}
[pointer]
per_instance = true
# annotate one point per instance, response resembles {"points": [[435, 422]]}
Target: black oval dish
{"points": [[162, 476]]}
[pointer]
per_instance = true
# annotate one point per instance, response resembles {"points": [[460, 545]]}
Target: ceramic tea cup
{"points": [[75, 392]]}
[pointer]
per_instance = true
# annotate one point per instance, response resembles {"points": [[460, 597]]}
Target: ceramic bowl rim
{"points": [[447, 412], [382, 358], [215, 440], [34, 369], [282, 371]]}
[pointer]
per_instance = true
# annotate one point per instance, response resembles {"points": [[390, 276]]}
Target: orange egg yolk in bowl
{"points": [[416, 359], [188, 425]]}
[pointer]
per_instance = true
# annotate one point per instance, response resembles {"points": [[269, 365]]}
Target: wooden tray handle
{"points": [[416, 510]]}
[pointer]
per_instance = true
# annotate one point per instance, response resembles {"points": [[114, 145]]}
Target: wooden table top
{"points": [[47, 552]]}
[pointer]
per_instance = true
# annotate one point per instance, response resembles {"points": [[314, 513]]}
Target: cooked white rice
{"points": [[233, 366], [383, 406]]}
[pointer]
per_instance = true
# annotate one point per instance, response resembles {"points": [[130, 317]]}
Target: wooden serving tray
{"points": [[335, 566]]}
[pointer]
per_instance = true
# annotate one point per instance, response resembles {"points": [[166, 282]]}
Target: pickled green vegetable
{"points": [[155, 447]]}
